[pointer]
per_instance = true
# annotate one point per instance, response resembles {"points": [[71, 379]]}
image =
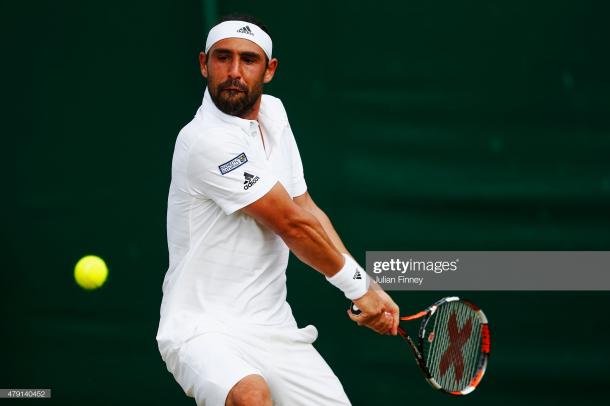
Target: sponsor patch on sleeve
{"points": [[236, 162]]}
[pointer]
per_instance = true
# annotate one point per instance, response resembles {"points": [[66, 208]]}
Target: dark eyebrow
{"points": [[248, 54], [252, 55], [222, 51]]}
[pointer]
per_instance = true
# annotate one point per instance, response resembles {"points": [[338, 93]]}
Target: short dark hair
{"points": [[244, 17]]}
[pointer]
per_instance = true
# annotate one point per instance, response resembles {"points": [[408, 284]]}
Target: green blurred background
{"points": [[436, 125]]}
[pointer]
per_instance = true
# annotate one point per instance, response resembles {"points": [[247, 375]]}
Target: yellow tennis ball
{"points": [[90, 272]]}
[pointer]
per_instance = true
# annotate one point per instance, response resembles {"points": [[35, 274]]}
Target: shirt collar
{"points": [[209, 106]]}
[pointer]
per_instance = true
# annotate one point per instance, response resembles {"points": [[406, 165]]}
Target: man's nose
{"points": [[234, 69]]}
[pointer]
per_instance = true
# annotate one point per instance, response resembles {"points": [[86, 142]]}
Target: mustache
{"points": [[233, 83]]}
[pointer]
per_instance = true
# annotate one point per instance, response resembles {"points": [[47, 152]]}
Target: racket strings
{"points": [[453, 346]]}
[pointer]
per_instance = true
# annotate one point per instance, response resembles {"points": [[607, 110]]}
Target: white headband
{"points": [[239, 29]]}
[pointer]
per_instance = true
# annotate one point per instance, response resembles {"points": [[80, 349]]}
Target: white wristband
{"points": [[351, 279]]}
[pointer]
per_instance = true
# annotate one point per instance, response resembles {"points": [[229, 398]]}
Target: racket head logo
{"points": [[453, 355]]}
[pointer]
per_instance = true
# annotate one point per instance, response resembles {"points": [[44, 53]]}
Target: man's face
{"points": [[236, 70]]}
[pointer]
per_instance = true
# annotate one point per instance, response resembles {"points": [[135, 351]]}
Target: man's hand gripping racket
{"points": [[377, 311], [452, 346]]}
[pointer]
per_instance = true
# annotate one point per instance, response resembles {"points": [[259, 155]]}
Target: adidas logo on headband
{"points": [[245, 30]]}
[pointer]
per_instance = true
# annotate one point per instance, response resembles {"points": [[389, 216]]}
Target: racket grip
{"points": [[354, 309]]}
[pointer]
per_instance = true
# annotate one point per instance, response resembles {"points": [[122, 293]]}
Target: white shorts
{"points": [[209, 365]]}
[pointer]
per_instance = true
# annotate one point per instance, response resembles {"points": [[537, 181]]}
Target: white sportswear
{"points": [[224, 313], [224, 267]]}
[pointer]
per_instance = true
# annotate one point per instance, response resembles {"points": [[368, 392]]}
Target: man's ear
{"points": [[202, 64], [270, 71]]}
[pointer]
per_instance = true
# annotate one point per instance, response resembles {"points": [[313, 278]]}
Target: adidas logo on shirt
{"points": [[250, 180], [245, 30], [357, 275]]}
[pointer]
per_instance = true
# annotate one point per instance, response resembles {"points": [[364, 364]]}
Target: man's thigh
{"points": [[298, 375], [250, 391], [209, 366]]}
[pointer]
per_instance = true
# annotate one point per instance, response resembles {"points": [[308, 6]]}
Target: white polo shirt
{"points": [[226, 271]]}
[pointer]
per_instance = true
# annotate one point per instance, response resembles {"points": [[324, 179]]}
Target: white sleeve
{"points": [[298, 177], [233, 172]]}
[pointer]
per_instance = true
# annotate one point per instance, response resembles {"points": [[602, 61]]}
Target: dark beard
{"points": [[235, 103]]}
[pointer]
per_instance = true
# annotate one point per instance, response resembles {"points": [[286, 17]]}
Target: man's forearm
{"points": [[329, 229], [299, 228], [308, 240], [306, 202]]}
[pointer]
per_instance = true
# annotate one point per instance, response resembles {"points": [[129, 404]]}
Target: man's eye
{"points": [[249, 60], [223, 57]]}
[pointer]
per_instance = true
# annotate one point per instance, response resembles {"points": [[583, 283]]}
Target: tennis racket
{"points": [[452, 346]]}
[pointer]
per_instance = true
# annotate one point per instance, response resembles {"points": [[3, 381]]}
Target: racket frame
{"points": [[418, 349]]}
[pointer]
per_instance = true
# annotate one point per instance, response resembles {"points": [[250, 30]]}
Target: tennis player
{"points": [[237, 204]]}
